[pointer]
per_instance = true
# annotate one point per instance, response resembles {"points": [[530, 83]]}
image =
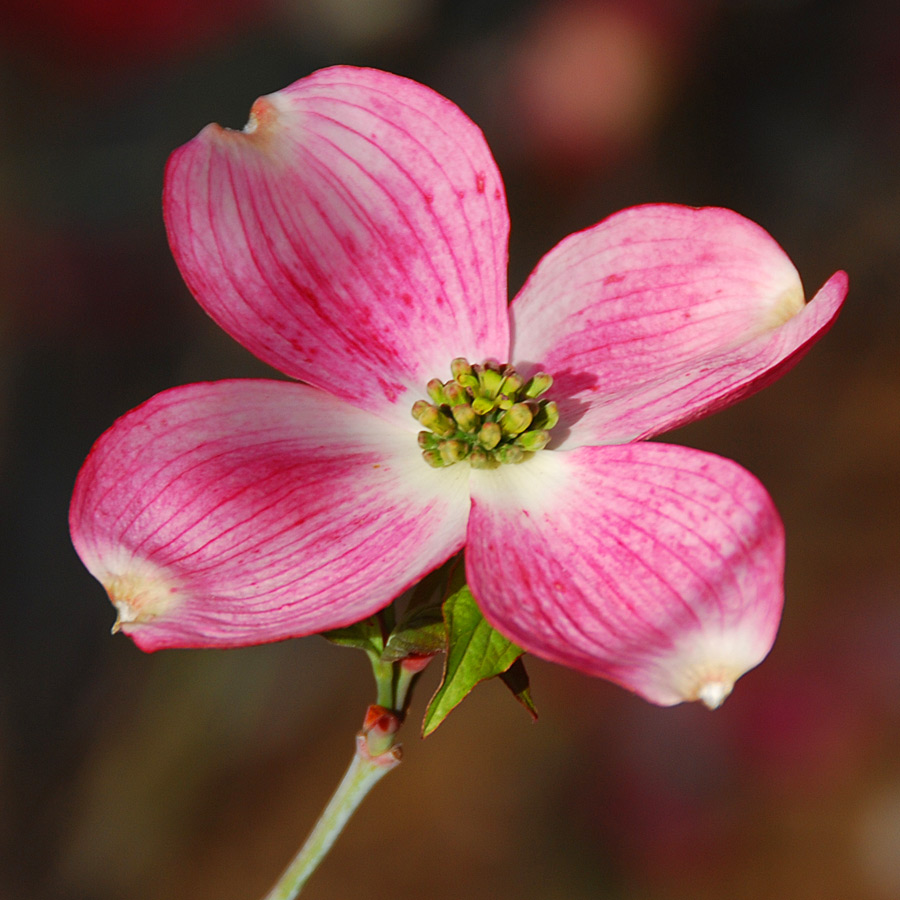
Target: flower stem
{"points": [[364, 773], [377, 752], [384, 681]]}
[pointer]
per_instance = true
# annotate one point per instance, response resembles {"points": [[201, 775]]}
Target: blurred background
{"points": [[195, 774]]}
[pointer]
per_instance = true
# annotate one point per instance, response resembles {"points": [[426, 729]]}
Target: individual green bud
{"points": [[435, 389], [433, 458], [466, 417], [486, 415], [463, 373], [428, 440], [509, 454], [480, 459], [482, 405], [490, 382], [489, 435], [512, 384], [453, 451], [455, 393], [538, 384], [460, 367], [432, 418], [548, 415], [532, 441], [516, 419]]}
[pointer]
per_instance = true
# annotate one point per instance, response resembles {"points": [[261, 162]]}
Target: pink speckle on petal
{"points": [[392, 390]]}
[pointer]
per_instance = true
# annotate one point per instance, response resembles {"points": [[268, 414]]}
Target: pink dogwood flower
{"points": [[354, 236]]}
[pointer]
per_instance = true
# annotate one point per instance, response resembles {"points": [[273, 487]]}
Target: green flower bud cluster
{"points": [[486, 415]]}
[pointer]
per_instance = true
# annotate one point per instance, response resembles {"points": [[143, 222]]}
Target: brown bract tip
{"points": [[258, 129], [140, 597]]}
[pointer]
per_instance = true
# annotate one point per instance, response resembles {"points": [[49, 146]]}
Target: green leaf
{"points": [[365, 635], [516, 679], [421, 633], [475, 652], [421, 630]]}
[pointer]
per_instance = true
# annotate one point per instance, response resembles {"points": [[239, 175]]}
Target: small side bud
{"points": [[415, 663], [379, 718], [379, 727]]}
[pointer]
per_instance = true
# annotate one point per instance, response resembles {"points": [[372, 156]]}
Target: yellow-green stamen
{"points": [[486, 415]]}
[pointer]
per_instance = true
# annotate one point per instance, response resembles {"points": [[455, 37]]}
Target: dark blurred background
{"points": [[196, 774]]}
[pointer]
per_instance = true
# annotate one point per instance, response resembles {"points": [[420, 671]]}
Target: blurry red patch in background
{"points": [[118, 33], [590, 79]]}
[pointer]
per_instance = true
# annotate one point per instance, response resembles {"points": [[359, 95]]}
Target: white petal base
{"points": [[706, 666]]}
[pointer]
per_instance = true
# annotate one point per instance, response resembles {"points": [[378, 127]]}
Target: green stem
{"points": [[384, 681], [362, 775], [377, 752], [405, 678]]}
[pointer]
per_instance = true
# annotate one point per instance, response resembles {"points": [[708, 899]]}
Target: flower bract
{"points": [[354, 237]]}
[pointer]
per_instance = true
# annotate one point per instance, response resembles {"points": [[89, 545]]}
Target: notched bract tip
{"points": [[706, 667], [713, 693], [786, 306], [262, 113], [140, 596]]}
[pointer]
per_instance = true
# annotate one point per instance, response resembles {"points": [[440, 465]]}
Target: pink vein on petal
{"points": [[271, 508], [323, 234], [655, 566], [645, 333]]}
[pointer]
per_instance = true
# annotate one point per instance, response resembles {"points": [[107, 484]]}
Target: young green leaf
{"points": [[365, 635], [516, 679], [421, 633], [475, 652], [421, 630]]}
